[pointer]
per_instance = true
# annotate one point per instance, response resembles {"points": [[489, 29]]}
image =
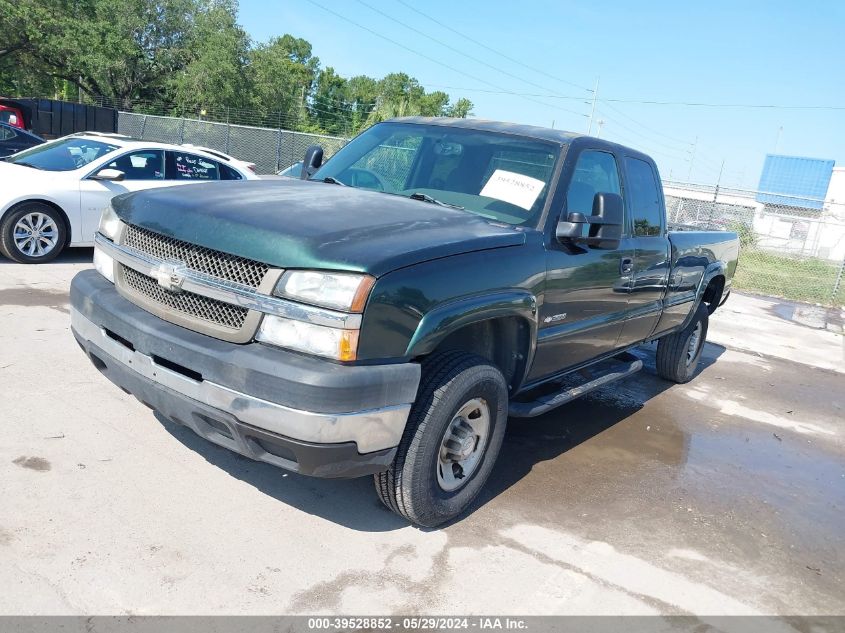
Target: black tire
{"points": [[673, 351], [410, 487], [9, 248]]}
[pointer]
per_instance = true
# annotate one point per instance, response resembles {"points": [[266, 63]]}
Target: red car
{"points": [[11, 115]]}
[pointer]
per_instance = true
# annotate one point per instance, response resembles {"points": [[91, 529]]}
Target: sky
{"points": [[773, 53]]}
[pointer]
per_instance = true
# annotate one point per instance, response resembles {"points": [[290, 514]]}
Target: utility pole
{"points": [[691, 159], [600, 122], [593, 108], [719, 181], [777, 139]]}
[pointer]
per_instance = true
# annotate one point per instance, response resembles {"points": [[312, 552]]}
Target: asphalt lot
{"points": [[723, 496]]}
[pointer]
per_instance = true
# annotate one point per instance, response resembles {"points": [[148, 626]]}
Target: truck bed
{"points": [[693, 251]]}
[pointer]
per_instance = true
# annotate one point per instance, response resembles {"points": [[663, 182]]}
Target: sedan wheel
{"points": [[36, 234], [33, 233]]}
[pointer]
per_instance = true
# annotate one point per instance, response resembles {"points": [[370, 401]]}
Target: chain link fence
{"points": [[791, 247], [272, 150]]}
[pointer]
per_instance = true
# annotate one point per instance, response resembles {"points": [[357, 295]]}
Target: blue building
{"points": [[801, 182]]}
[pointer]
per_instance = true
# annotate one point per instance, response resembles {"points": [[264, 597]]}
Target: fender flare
{"points": [[712, 270], [449, 317]]}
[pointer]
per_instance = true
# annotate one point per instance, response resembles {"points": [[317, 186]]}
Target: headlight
{"points": [[109, 223], [341, 291], [309, 338], [104, 264]]}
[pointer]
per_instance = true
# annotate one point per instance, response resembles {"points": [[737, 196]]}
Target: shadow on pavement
{"points": [[353, 503], [68, 256]]}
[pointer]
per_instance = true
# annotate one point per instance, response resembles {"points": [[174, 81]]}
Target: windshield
{"points": [[65, 154], [499, 176]]}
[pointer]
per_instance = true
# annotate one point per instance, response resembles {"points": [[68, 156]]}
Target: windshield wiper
{"points": [[424, 197], [334, 181]]}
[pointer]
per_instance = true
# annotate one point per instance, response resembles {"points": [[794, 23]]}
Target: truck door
{"points": [[586, 288], [645, 207]]}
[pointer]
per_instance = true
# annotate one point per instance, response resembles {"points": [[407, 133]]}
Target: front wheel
{"points": [[451, 441], [33, 233], [678, 354]]}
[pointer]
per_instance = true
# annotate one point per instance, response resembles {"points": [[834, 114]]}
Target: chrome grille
{"points": [[194, 305], [204, 260]]}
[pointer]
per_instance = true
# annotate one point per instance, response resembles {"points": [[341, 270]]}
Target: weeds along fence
{"points": [[792, 247], [270, 149]]}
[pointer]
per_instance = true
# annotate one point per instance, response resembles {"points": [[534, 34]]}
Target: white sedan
{"points": [[52, 195]]}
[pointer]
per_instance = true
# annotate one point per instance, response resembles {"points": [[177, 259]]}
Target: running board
{"points": [[600, 374]]}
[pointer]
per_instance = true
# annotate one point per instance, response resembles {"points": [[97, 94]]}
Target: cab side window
{"points": [[643, 198], [595, 172]]}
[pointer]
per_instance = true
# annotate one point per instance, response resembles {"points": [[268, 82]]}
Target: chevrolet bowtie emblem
{"points": [[170, 277]]}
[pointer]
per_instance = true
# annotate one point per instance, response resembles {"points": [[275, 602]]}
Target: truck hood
{"points": [[300, 224]]}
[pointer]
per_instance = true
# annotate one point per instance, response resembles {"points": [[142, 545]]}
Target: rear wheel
{"points": [[678, 354], [451, 441], [32, 233]]}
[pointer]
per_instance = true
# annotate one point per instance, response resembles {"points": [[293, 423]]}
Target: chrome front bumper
{"points": [[371, 430], [298, 412]]}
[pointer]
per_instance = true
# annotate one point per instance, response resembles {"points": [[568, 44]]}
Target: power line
{"points": [[728, 105], [506, 92], [449, 46], [701, 157], [609, 119], [644, 126], [627, 140], [490, 48], [432, 59], [646, 102]]}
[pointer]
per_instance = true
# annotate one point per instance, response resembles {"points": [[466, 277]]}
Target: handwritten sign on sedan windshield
{"points": [[514, 188]]}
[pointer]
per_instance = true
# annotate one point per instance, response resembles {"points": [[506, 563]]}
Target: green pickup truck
{"points": [[386, 313]]}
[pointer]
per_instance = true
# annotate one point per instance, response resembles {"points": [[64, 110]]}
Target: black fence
{"points": [[52, 118]]}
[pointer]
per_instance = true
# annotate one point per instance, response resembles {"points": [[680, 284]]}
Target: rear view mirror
{"points": [[605, 223], [114, 175], [312, 162]]}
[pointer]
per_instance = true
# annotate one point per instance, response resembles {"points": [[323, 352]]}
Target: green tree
{"points": [[121, 49], [217, 51], [433, 103], [399, 95], [462, 108], [282, 73], [402, 95], [361, 95], [329, 108], [193, 55]]}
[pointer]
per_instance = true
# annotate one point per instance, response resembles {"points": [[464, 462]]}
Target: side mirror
{"points": [[114, 175], [312, 161], [605, 223]]}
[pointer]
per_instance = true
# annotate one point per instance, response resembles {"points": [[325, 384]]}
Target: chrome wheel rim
{"points": [[694, 344], [463, 444], [35, 234]]}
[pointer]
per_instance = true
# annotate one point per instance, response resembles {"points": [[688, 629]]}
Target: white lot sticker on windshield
{"points": [[517, 189]]}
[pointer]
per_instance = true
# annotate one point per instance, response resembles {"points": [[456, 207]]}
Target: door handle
{"points": [[626, 266]]}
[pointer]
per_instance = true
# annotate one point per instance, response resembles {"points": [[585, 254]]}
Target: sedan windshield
{"points": [[498, 176], [65, 154]]}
